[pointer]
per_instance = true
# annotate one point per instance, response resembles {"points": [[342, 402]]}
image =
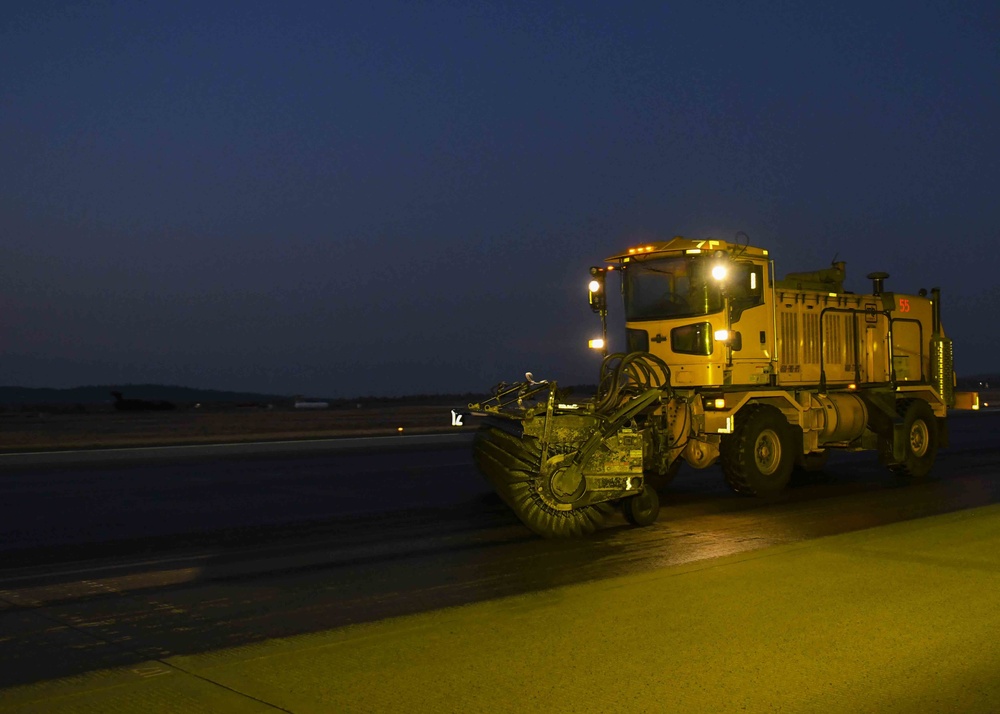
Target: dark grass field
{"points": [[40, 431]]}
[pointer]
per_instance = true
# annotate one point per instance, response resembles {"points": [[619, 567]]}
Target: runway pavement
{"points": [[297, 447], [899, 614], [898, 618]]}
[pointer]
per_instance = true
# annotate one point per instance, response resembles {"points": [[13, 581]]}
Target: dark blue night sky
{"points": [[392, 198]]}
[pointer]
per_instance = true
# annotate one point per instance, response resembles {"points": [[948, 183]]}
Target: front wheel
{"points": [[758, 457]]}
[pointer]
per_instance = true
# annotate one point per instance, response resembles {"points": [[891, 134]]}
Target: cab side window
{"points": [[746, 290]]}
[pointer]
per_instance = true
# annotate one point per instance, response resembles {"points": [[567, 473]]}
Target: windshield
{"points": [[666, 288]]}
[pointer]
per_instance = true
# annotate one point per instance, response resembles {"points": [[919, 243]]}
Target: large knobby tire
{"points": [[512, 466], [920, 440], [758, 457]]}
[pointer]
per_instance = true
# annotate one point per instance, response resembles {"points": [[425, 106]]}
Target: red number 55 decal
{"points": [[904, 305]]}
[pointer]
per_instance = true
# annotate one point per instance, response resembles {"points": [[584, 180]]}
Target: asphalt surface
{"points": [[201, 452], [719, 599], [135, 499]]}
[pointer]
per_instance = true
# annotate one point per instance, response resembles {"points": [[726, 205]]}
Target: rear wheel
{"points": [[757, 458], [920, 440]]}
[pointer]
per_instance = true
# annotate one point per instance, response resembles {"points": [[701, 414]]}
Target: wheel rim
{"points": [[919, 438], [767, 452]]}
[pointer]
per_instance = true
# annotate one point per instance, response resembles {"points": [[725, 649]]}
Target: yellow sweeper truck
{"points": [[724, 363]]}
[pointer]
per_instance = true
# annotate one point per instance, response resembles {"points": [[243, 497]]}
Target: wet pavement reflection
{"points": [[58, 621]]}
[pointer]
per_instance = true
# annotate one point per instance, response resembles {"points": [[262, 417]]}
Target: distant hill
{"points": [[101, 394], [91, 396]]}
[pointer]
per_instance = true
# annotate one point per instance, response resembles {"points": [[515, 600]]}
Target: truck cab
{"points": [[705, 307]]}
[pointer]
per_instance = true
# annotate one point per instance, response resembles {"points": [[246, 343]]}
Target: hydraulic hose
{"points": [[639, 370]]}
